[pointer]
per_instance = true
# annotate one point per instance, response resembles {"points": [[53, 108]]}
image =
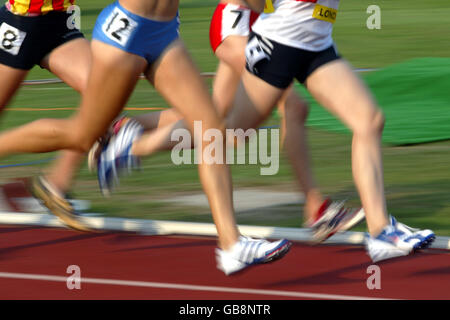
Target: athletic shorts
{"points": [[230, 20], [279, 65], [25, 41], [134, 34]]}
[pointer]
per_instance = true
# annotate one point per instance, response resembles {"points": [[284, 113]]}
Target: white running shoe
{"points": [[247, 252], [395, 240]]}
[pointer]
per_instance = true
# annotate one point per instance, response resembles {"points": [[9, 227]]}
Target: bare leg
{"points": [[293, 109], [113, 76], [225, 86], [338, 89], [255, 100], [294, 113], [158, 119], [249, 111], [10, 83], [230, 68], [232, 62], [158, 140], [224, 89], [229, 71], [71, 63], [194, 103]]}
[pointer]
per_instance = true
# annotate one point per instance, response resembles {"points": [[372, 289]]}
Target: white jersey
{"points": [[303, 24]]}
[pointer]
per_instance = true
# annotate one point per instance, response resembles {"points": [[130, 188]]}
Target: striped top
{"points": [[37, 7]]}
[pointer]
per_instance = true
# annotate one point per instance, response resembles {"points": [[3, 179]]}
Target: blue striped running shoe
{"points": [[248, 252], [426, 237], [397, 240], [115, 157]]}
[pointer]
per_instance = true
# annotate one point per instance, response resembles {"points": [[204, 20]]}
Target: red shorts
{"points": [[230, 20]]}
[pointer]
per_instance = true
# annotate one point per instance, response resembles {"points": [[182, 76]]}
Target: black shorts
{"points": [[25, 41], [279, 65]]}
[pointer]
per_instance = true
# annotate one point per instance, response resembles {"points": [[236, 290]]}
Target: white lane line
{"points": [[176, 286]]}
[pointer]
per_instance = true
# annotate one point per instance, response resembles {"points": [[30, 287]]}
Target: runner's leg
{"points": [[113, 76], [337, 88], [194, 103], [254, 102], [225, 85], [71, 63], [11, 81], [294, 112], [231, 64]]}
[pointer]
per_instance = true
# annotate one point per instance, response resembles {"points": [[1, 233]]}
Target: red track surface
{"points": [[339, 270]]}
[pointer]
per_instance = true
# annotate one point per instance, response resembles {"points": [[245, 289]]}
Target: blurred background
{"points": [[410, 56]]}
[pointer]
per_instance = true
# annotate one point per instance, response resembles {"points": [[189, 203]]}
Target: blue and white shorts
{"points": [[134, 34]]}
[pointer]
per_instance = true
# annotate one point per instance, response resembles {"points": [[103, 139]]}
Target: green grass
{"points": [[417, 178]]}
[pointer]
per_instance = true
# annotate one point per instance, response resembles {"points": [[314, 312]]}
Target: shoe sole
{"points": [[273, 256], [59, 207], [278, 253], [396, 252], [426, 243], [393, 252]]}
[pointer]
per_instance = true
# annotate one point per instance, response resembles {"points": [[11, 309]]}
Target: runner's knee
{"points": [[295, 110], [371, 124], [80, 83]]}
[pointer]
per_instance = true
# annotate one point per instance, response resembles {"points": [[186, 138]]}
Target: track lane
{"points": [[326, 270]]}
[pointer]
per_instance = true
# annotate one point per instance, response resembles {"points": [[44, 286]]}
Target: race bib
{"points": [[268, 8], [324, 13], [119, 27], [11, 39]]}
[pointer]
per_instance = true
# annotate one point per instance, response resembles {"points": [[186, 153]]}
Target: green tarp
{"points": [[414, 96]]}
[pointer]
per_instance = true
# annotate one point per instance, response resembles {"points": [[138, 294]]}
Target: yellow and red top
{"points": [[37, 7]]}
